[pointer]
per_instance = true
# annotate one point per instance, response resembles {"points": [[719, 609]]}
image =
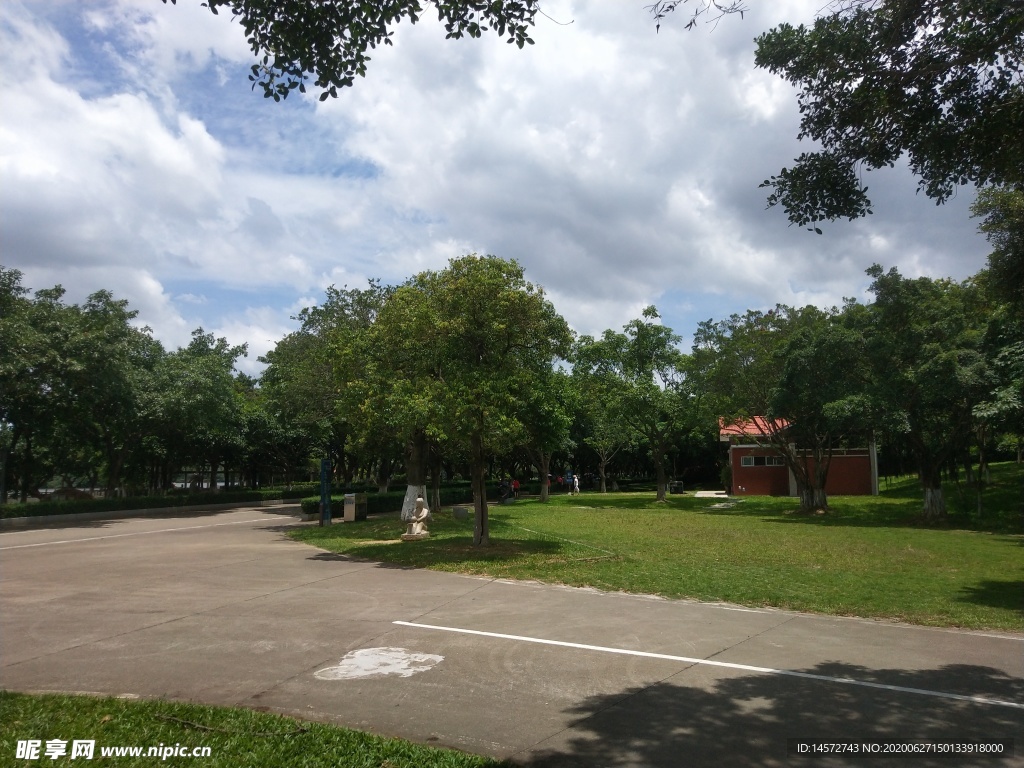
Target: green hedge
{"points": [[454, 493], [44, 508], [293, 493]]}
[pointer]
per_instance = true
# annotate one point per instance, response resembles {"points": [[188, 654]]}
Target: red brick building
{"points": [[760, 470]]}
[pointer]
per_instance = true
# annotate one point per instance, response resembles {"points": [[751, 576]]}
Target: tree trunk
{"points": [[983, 475], [602, 467], [383, 475], [812, 499], [934, 501], [213, 475], [481, 529], [114, 461], [26, 473], [415, 474], [3, 475], [435, 464], [659, 465], [544, 468], [811, 485]]}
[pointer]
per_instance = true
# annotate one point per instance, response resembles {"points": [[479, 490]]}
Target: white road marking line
{"points": [[136, 533], [725, 664]]}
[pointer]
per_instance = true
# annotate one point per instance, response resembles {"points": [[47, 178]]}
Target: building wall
{"points": [[849, 474], [757, 480]]}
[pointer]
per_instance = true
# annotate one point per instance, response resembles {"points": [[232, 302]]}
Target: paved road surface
{"points": [[223, 608]]}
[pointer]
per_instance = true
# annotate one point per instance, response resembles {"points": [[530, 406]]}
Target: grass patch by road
{"points": [[235, 737], [868, 557]]}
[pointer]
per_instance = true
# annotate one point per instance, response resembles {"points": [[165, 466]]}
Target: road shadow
{"points": [[337, 557], [747, 719]]}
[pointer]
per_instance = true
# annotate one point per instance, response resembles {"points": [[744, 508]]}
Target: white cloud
{"points": [[619, 166], [258, 327]]}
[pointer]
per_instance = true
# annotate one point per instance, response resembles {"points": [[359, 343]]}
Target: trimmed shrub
{"points": [[170, 501]]}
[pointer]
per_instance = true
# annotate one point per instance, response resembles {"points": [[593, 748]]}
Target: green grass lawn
{"points": [[870, 556], [235, 737]]}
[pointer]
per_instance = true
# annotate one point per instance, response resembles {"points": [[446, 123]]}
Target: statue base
{"points": [[415, 536]]}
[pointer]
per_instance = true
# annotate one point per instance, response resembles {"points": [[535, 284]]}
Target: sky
{"points": [[618, 164]]}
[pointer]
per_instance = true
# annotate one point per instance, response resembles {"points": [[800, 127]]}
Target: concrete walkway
{"points": [[223, 608]]}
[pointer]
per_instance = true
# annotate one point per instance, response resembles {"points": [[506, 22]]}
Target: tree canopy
{"points": [[1002, 212], [464, 370], [642, 376], [941, 81], [483, 340], [329, 40], [798, 372], [924, 346]]}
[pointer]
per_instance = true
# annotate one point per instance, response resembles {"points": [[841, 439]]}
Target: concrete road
{"points": [[223, 608]]}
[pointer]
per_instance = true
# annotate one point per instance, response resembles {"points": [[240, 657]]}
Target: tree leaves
{"points": [[941, 81], [328, 40]]}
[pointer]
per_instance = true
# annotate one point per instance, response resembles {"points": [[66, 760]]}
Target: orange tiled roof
{"points": [[757, 426]]}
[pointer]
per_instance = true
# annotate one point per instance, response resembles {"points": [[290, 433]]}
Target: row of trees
{"points": [[449, 369], [87, 397], [471, 370], [936, 81], [931, 368]]}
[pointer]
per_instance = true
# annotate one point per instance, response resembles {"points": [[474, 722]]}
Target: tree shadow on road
{"points": [[746, 719]]}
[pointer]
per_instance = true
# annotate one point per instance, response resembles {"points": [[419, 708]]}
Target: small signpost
{"points": [[325, 492]]}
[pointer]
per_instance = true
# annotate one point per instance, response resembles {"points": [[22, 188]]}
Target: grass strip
{"points": [[869, 557], [235, 737]]}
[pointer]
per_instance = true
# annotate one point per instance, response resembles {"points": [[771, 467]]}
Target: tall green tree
{"points": [[394, 395], [924, 340], [34, 383], [821, 395], [605, 430], [22, 395], [941, 81], [70, 382], [796, 372], [547, 407], [113, 363], [643, 376], [1002, 210], [196, 402], [479, 336], [1002, 213], [311, 373]]}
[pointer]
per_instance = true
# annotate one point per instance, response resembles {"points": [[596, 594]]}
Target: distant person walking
{"points": [[575, 485], [515, 488]]}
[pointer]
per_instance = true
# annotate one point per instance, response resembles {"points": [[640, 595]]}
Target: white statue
{"points": [[417, 527]]}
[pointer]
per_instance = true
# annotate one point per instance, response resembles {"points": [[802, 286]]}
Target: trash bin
{"points": [[676, 486], [355, 507]]}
